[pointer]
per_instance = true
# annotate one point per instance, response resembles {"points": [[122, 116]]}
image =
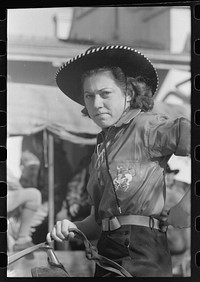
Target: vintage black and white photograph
{"points": [[98, 141]]}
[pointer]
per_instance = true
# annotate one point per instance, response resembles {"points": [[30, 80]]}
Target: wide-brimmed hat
{"points": [[132, 62], [169, 170]]}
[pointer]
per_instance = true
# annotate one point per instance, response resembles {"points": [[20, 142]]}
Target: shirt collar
{"points": [[125, 119]]}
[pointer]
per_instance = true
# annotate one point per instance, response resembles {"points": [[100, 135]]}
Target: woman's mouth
{"points": [[100, 114]]}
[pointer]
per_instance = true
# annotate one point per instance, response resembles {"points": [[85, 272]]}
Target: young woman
{"points": [[126, 188]]}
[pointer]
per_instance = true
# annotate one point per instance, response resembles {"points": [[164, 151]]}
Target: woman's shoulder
{"points": [[150, 117]]}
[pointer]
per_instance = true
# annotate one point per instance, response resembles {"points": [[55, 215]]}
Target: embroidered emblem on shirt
{"points": [[123, 178]]}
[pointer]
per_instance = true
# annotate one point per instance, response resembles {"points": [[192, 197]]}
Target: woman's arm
{"points": [[167, 137], [180, 215], [89, 226]]}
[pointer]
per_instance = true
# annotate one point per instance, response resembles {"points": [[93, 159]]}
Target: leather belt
{"points": [[113, 223]]}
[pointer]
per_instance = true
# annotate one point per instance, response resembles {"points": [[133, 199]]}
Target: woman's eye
{"points": [[88, 96], [105, 94]]}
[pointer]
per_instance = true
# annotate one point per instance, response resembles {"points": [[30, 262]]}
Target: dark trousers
{"points": [[142, 251]]}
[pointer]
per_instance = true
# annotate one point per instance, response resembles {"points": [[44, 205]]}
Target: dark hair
{"points": [[143, 98], [138, 87]]}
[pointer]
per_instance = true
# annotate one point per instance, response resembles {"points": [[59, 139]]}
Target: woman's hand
{"points": [[178, 217], [60, 231], [163, 220]]}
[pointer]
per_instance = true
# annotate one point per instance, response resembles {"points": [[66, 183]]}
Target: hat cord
{"points": [[109, 173], [125, 100]]}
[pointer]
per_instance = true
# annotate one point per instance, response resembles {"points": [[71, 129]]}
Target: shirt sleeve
{"points": [[167, 137]]}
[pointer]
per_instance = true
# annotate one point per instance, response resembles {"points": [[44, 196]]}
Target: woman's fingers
{"points": [[54, 235], [57, 233], [61, 232], [49, 238], [65, 229]]}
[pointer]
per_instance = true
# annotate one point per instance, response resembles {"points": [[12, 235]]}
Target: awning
{"points": [[33, 108]]}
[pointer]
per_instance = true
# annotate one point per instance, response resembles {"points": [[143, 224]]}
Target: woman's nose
{"points": [[98, 103]]}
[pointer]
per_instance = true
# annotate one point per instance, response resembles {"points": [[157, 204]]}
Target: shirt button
{"points": [[126, 242]]}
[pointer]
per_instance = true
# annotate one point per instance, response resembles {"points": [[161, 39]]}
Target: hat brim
{"points": [[132, 62]]}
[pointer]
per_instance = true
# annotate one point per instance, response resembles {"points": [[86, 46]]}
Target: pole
{"points": [[50, 181]]}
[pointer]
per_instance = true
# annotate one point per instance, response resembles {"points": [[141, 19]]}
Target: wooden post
{"points": [[50, 181]]}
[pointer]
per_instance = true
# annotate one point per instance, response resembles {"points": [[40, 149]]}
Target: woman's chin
{"points": [[103, 121], [103, 124]]}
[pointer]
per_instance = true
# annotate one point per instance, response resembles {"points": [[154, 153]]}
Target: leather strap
{"points": [[92, 254]]}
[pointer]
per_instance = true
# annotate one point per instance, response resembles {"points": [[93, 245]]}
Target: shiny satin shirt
{"points": [[138, 149]]}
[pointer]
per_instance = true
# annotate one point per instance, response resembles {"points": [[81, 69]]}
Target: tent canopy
{"points": [[32, 108]]}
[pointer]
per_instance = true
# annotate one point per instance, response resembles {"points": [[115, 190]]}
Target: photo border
{"points": [[195, 129]]}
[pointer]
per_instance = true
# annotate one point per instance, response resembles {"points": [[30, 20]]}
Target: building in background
{"points": [[54, 35], [156, 28]]}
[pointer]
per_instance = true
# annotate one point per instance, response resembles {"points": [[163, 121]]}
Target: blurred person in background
{"points": [[30, 166], [77, 198], [178, 239], [23, 203], [126, 187], [32, 151], [76, 206]]}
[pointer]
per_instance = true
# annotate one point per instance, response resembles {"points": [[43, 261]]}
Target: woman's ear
{"points": [[129, 95]]}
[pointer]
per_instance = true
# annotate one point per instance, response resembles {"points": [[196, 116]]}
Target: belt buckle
{"points": [[151, 222], [110, 224], [114, 223]]}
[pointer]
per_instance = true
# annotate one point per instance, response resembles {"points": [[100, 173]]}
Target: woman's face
{"points": [[104, 99]]}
